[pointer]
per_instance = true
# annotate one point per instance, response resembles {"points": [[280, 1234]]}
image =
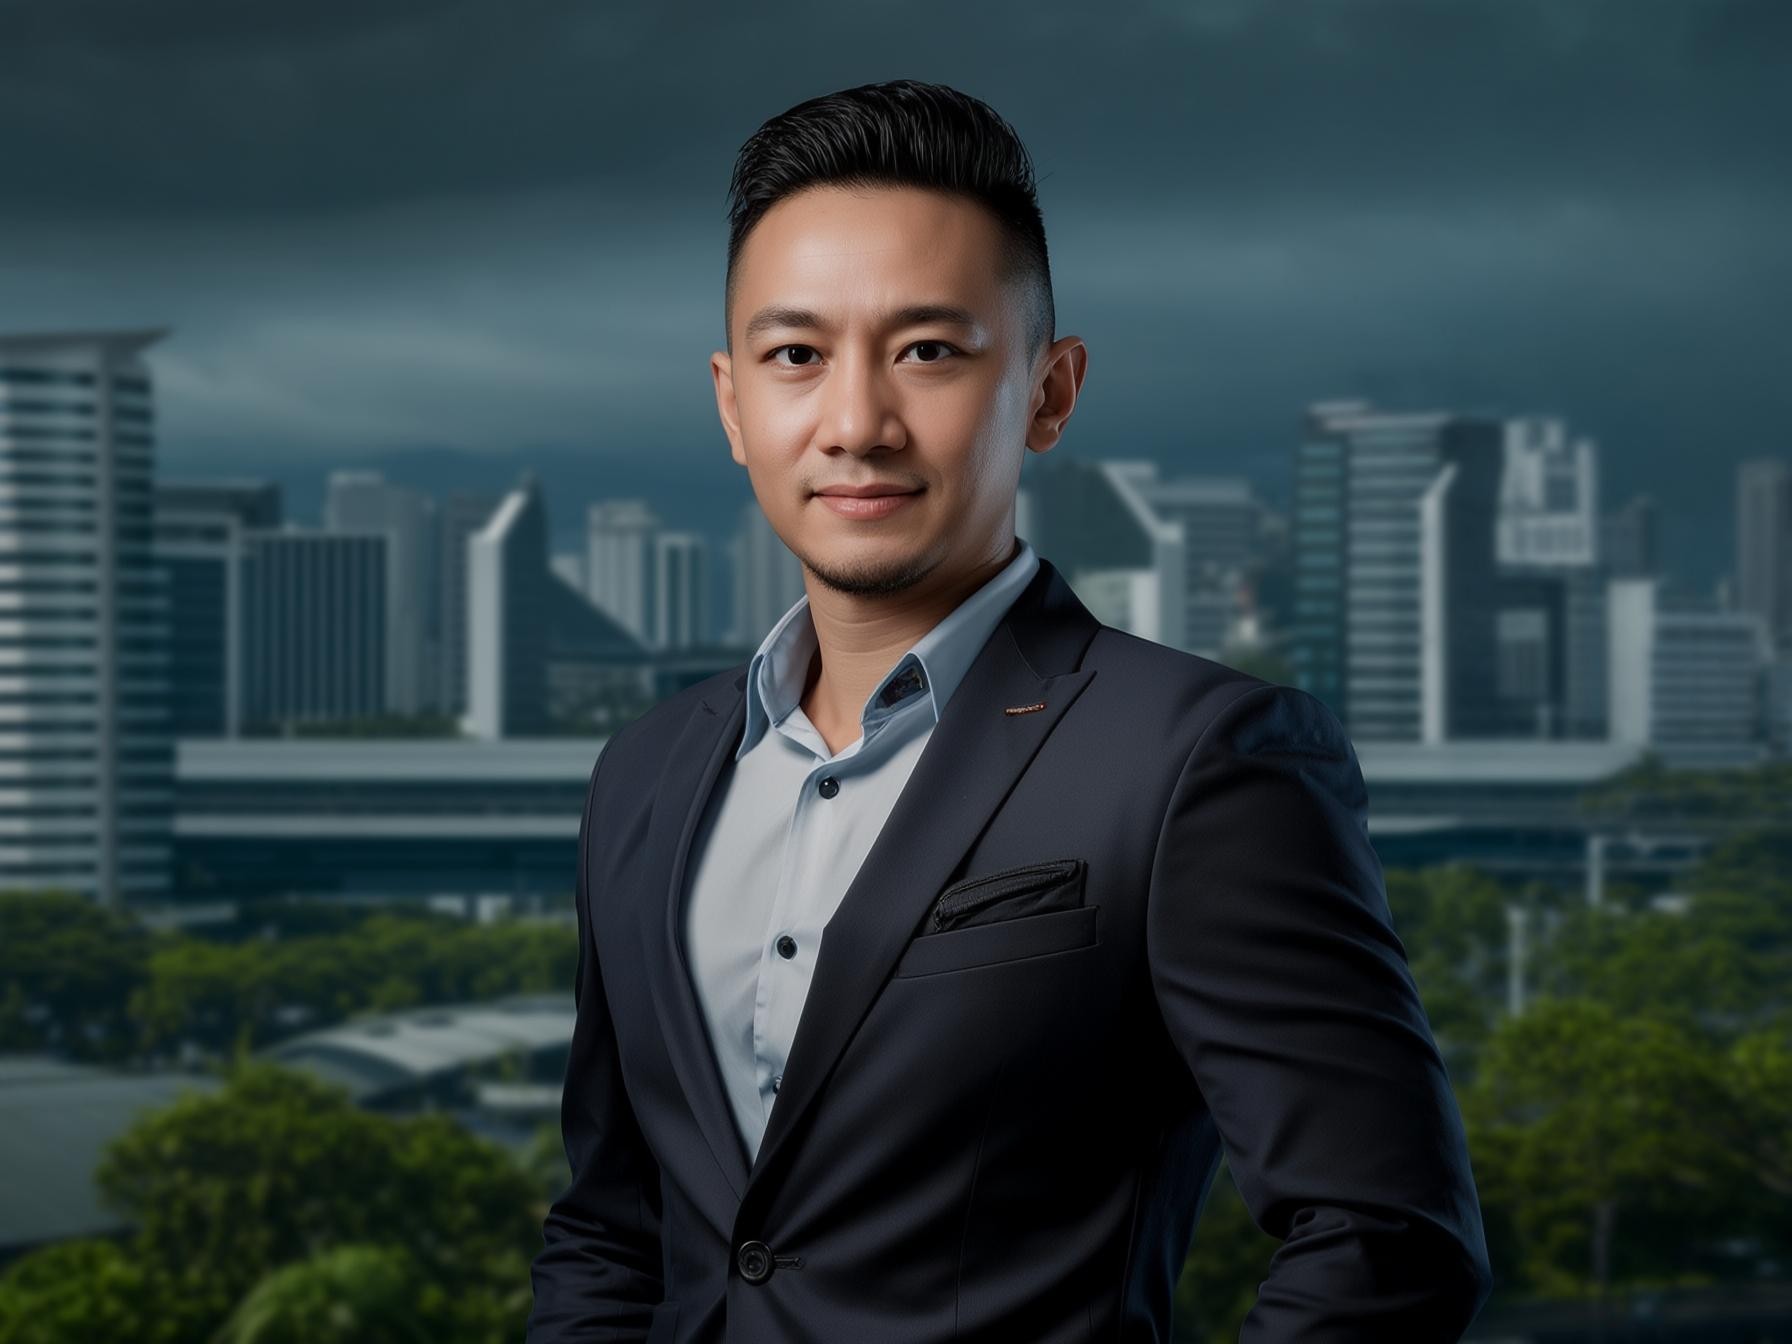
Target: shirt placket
{"points": [[783, 981]]}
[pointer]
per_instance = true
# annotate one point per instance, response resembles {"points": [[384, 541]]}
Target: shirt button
{"points": [[829, 787], [777, 1081], [786, 947]]}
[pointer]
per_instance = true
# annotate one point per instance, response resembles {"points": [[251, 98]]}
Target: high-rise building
{"points": [[1492, 635], [1629, 546], [1549, 532], [460, 514], [1548, 496], [1764, 544], [768, 578], [1446, 580], [619, 563], [1222, 527], [1095, 522], [365, 502], [509, 605], [199, 527], [86, 754], [1359, 475], [314, 626], [680, 590]]}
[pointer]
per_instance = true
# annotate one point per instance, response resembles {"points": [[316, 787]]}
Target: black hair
{"points": [[899, 133]]}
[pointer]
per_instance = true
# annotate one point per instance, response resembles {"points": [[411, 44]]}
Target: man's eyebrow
{"points": [[770, 318]]}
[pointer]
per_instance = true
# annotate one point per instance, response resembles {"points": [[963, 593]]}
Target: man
{"points": [[928, 961]]}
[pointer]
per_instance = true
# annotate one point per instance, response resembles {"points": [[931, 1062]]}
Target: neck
{"points": [[859, 640]]}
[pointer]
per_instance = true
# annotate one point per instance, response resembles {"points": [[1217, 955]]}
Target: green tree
{"points": [[68, 969], [1583, 1122], [1758, 1124], [275, 1170], [346, 1295], [83, 1291]]}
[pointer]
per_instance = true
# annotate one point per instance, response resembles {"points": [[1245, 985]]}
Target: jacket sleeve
{"points": [[598, 1274], [1284, 988]]}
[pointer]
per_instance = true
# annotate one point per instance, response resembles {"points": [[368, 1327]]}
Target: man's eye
{"points": [[939, 345], [939, 348]]}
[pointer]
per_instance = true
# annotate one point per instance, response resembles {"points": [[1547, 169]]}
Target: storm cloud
{"points": [[481, 232]]}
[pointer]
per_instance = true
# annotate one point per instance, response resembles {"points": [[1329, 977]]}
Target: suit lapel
{"points": [[971, 761], [692, 767]]}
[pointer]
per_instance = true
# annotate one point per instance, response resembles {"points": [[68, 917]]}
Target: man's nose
{"points": [[858, 408]]}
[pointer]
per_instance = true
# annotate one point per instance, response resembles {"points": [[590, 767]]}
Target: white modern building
{"points": [[1549, 496], [1359, 477], [1094, 520], [1687, 680], [768, 578], [508, 613], [1446, 575], [460, 513], [86, 755], [619, 560]]}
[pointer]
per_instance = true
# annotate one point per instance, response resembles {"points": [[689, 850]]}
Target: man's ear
{"points": [[1054, 398], [721, 368]]}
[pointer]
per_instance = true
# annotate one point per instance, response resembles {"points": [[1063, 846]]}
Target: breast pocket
{"points": [[1030, 889], [1007, 940]]}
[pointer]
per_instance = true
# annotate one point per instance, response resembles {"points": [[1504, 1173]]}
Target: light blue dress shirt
{"points": [[789, 823]]}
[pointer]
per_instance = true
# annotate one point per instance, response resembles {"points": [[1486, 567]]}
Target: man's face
{"points": [[840, 377]]}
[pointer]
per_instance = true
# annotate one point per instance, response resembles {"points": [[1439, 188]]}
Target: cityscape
{"points": [[361, 479], [294, 805], [400, 700]]}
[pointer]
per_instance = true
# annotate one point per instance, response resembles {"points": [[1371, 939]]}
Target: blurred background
{"points": [[360, 472]]}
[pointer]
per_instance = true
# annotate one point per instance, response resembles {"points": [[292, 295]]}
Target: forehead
{"points": [[846, 252]]}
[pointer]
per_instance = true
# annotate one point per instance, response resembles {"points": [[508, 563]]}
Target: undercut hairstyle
{"points": [[899, 133]]}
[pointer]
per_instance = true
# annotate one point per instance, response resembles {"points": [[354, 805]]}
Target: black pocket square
{"points": [[1031, 889]]}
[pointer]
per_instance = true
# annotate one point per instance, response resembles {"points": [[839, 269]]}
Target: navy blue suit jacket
{"points": [[1099, 940]]}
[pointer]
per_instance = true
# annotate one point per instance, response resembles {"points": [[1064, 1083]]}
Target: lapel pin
{"points": [[1024, 709]]}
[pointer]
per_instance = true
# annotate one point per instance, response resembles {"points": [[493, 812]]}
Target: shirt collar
{"points": [[931, 668]]}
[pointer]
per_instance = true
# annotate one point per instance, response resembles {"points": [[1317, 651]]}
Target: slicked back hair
{"points": [[899, 133]]}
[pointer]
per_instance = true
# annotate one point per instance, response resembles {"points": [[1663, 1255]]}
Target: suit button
{"points": [[755, 1261]]}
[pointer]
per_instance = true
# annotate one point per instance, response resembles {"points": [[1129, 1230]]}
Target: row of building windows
{"points": [[56, 456], [48, 586], [14, 373], [87, 410]]}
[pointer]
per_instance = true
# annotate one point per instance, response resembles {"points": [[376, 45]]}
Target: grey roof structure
{"points": [[396, 1051], [1496, 761], [431, 760], [56, 1119]]}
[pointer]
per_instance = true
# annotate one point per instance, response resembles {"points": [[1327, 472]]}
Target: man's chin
{"points": [[869, 567]]}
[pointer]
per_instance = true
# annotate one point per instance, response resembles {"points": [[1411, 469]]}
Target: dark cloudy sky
{"points": [[459, 238]]}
